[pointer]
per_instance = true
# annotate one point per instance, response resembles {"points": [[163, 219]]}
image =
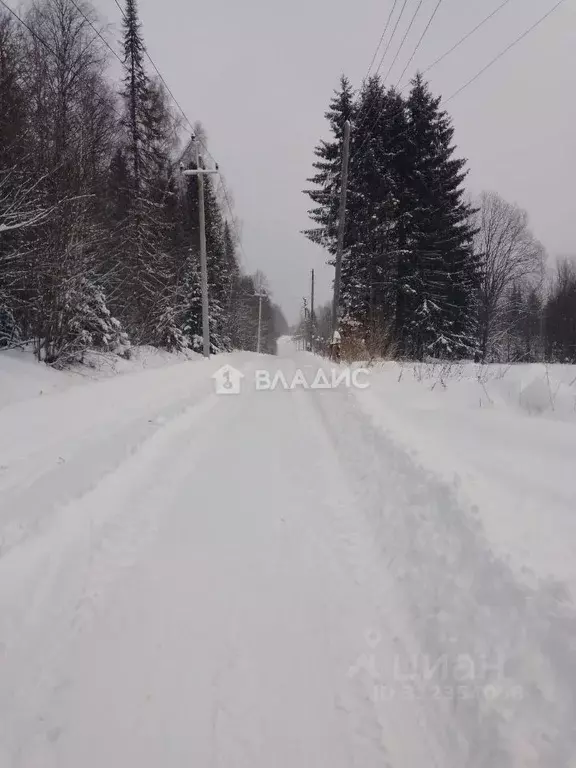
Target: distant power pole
{"points": [[261, 295], [341, 224], [200, 173], [259, 342], [304, 321], [312, 313]]}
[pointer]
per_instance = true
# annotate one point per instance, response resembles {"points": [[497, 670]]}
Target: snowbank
{"points": [[62, 431], [23, 377], [505, 437]]}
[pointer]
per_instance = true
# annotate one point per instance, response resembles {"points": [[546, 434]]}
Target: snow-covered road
{"points": [[263, 580]]}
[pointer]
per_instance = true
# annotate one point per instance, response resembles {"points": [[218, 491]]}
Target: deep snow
{"points": [[505, 439], [290, 577]]}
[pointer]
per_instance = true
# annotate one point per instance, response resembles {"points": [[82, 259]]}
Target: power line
{"points": [[46, 45], [398, 20], [169, 90], [404, 39], [419, 43], [199, 139], [34, 34], [441, 58], [53, 53], [466, 36], [485, 68], [505, 51], [174, 99], [381, 39], [363, 119], [106, 43]]}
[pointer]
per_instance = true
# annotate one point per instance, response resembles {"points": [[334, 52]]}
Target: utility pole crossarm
{"points": [[199, 171]]}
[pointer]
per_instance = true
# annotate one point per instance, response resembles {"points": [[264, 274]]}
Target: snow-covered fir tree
{"points": [[328, 167], [441, 271], [143, 271], [369, 265], [408, 263]]}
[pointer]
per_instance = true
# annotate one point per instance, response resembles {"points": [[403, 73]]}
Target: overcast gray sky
{"points": [[259, 75]]}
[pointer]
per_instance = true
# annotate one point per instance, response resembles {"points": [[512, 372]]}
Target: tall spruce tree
{"points": [[143, 293], [366, 217], [440, 270], [328, 167], [408, 261], [373, 237], [136, 92]]}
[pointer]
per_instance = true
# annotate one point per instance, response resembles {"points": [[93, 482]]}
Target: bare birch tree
{"points": [[510, 254]]}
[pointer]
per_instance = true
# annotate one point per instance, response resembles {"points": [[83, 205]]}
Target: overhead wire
{"points": [[466, 36], [233, 222], [449, 52], [99, 33], [484, 69], [197, 138], [420, 41], [504, 52], [32, 32], [45, 44], [398, 20], [391, 67], [382, 36]]}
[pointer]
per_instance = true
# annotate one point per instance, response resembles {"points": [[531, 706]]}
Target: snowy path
{"points": [[262, 580]]}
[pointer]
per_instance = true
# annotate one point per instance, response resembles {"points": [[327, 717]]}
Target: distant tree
{"points": [[523, 321], [560, 314], [510, 255], [280, 324]]}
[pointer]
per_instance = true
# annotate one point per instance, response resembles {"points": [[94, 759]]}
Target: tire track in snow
{"points": [[464, 602], [51, 586]]}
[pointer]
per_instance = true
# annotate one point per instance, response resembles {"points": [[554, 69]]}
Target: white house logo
{"points": [[228, 380]]}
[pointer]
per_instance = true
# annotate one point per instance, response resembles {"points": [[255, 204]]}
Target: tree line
{"points": [[99, 230], [426, 272]]}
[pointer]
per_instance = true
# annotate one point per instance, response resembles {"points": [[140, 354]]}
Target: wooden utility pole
{"points": [[200, 173], [259, 341], [341, 224], [312, 313], [304, 321], [203, 259]]}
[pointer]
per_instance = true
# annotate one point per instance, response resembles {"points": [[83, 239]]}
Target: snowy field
{"points": [[380, 578]]}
